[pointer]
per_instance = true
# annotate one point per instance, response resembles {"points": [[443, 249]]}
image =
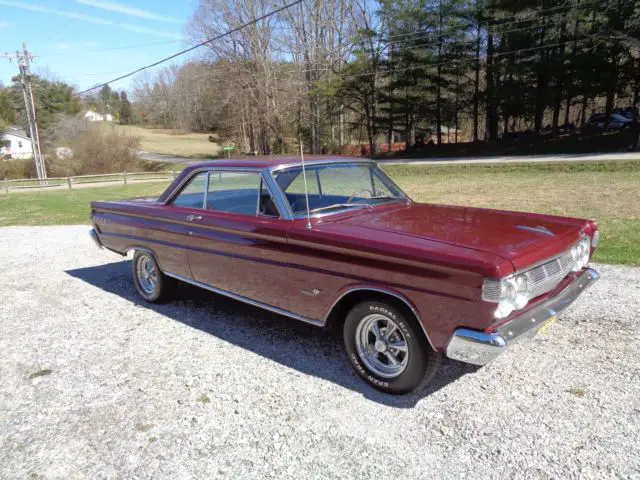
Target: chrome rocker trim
{"points": [[480, 348], [246, 300]]}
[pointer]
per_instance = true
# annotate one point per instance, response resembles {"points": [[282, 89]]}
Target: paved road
{"points": [[452, 161], [96, 383]]}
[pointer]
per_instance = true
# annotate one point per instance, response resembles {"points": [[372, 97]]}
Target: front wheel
{"points": [[150, 282], [387, 348]]}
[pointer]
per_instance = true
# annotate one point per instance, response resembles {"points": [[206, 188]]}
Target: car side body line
{"points": [[248, 301]]}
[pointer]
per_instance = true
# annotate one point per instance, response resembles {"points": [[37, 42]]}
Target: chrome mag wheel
{"points": [[381, 345], [147, 273]]}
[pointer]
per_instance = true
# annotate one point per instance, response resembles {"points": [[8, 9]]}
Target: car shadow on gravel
{"points": [[307, 349]]}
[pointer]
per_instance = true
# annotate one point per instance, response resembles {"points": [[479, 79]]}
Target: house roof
{"points": [[17, 131]]}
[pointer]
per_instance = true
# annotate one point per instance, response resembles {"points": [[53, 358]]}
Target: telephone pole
{"points": [[23, 59]]}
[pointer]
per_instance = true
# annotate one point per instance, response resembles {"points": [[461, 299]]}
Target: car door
{"points": [[239, 241], [169, 230]]}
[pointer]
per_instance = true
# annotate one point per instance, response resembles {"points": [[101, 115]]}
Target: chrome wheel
{"points": [[381, 345], [147, 273]]}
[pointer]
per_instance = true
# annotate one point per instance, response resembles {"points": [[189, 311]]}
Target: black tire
{"points": [[421, 363], [163, 285]]}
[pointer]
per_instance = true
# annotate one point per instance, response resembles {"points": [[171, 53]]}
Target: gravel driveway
{"points": [[96, 384]]}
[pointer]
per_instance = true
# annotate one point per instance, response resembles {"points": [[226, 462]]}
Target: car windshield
{"points": [[335, 187]]}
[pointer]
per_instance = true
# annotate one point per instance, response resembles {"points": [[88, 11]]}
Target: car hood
{"points": [[521, 238]]}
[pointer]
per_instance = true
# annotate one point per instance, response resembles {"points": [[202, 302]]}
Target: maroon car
{"points": [[337, 242]]}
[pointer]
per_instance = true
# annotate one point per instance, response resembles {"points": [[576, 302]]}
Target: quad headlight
{"points": [[515, 291], [580, 253], [514, 294]]}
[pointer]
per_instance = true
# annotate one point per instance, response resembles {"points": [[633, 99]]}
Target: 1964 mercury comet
{"points": [[408, 282]]}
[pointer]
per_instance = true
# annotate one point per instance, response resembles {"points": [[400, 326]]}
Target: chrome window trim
{"points": [[276, 194], [312, 162], [368, 163], [206, 191], [209, 170], [180, 186]]}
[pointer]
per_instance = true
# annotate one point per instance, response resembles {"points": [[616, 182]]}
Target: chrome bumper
{"points": [[480, 348], [94, 237]]}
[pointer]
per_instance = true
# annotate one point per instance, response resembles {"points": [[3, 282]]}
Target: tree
{"points": [[125, 109]]}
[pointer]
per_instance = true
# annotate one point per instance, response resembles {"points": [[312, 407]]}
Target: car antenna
{"points": [[306, 192]]}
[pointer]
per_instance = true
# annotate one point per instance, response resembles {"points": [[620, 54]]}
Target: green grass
{"points": [[65, 207], [605, 191], [170, 142]]}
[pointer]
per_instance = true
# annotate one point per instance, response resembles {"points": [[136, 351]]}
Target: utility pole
{"points": [[23, 59]]}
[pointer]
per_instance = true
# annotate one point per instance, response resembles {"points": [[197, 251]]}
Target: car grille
{"points": [[547, 276], [543, 278]]}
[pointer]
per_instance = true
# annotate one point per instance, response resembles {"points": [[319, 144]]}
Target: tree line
{"points": [[338, 72], [335, 72]]}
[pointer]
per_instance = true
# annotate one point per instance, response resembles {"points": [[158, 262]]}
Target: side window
{"points": [[193, 194], [267, 205], [233, 192], [19, 144]]}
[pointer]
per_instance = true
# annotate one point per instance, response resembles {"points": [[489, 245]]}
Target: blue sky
{"points": [[86, 42]]}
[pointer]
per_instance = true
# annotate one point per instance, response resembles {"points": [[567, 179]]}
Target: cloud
{"points": [[149, 31], [89, 19], [4, 23], [62, 46], [127, 10]]}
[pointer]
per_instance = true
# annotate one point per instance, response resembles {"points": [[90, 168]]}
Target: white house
{"points": [[18, 146], [98, 117]]}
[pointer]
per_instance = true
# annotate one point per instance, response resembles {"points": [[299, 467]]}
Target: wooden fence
{"points": [[69, 182]]}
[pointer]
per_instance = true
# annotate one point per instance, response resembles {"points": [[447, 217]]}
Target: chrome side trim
{"points": [[240, 298], [94, 237], [480, 348], [387, 292]]}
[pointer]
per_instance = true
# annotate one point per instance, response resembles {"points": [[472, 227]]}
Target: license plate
{"points": [[547, 325]]}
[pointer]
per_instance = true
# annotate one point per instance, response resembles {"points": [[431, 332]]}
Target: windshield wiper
{"points": [[340, 205], [386, 197]]}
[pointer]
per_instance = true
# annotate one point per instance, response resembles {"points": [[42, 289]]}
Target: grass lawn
{"points": [[66, 207], [171, 142], [608, 192]]}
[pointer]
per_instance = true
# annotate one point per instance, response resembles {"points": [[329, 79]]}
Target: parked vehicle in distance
{"points": [[613, 122], [337, 243]]}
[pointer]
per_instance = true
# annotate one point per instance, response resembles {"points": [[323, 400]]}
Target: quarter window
{"points": [[192, 196]]}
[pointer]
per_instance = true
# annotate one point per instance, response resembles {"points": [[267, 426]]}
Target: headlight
{"points": [[510, 293], [580, 253]]}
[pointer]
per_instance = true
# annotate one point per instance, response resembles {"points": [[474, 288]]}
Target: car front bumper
{"points": [[479, 348]]}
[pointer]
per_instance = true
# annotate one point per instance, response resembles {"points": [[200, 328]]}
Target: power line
{"points": [[187, 50]]}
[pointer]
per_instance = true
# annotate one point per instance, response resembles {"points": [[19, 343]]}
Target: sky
{"points": [[87, 42]]}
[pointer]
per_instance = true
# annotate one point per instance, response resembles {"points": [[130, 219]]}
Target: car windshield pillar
{"points": [[338, 186]]}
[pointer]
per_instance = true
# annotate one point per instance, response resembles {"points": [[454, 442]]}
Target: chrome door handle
{"points": [[191, 218]]}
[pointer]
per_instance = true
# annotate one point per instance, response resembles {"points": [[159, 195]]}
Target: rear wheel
{"points": [[150, 282], [387, 348]]}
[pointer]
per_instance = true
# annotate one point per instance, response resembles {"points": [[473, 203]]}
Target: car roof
{"points": [[275, 162]]}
